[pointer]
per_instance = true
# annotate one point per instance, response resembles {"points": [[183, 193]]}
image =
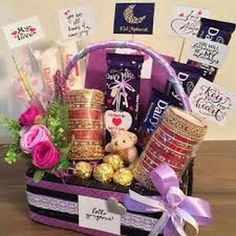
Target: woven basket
{"points": [[52, 202]]}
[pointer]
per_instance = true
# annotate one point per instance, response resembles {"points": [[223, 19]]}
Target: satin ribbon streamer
{"points": [[177, 208], [119, 90]]}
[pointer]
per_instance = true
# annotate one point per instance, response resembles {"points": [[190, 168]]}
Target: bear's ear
{"points": [[133, 137]]}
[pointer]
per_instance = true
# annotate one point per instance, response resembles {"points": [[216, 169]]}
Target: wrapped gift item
{"points": [[157, 106], [217, 31], [68, 49], [173, 143], [49, 62], [86, 123], [188, 76], [122, 92]]}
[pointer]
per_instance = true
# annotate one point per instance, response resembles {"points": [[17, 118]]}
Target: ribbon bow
{"points": [[118, 90], [177, 208]]}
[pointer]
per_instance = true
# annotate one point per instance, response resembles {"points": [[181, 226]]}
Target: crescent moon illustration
{"points": [[130, 17]]}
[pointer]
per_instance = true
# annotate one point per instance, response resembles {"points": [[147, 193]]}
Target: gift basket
{"points": [[99, 165]]}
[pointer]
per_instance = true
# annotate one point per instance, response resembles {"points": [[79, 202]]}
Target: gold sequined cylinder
{"points": [[173, 143], [86, 123]]}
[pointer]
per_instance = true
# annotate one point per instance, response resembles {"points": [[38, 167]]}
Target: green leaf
{"points": [[38, 175], [63, 165]]}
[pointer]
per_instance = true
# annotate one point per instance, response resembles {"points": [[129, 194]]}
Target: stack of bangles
{"points": [[173, 143], [86, 124]]}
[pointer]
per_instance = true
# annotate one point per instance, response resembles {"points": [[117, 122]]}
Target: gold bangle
{"points": [[86, 96], [76, 105], [182, 126], [92, 152], [85, 124], [142, 176]]}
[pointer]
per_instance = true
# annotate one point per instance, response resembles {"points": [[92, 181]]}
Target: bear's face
{"points": [[122, 140]]}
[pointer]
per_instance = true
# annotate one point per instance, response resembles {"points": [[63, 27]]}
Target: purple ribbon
{"points": [[60, 86], [177, 208]]}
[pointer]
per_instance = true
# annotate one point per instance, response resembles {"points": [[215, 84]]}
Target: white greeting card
{"points": [[146, 71], [212, 101], [76, 22], [94, 214], [23, 32], [208, 52], [185, 21]]}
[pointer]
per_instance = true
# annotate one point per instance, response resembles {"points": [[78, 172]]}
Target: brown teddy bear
{"points": [[123, 143]]}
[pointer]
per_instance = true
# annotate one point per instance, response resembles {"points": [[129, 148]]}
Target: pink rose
{"points": [[45, 155], [28, 117], [35, 135]]}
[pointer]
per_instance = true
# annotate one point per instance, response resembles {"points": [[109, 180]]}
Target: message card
{"points": [[76, 22], [185, 21], [23, 32], [212, 101], [94, 214], [208, 52], [134, 18]]}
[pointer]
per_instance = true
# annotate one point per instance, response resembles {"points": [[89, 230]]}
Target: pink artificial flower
{"points": [[28, 117], [35, 135], [45, 155]]}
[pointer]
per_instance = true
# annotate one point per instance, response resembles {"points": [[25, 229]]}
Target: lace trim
{"points": [[129, 219]]}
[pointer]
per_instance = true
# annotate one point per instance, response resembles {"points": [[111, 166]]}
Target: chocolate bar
{"points": [[122, 92], [217, 31]]}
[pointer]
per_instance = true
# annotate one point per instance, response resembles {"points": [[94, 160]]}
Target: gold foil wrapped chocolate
{"points": [[83, 170], [123, 177], [103, 173], [86, 124], [114, 160]]}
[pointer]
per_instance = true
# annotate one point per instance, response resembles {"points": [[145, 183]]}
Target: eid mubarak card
{"points": [[134, 18]]}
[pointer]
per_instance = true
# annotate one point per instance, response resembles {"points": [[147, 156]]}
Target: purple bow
{"points": [[177, 208]]}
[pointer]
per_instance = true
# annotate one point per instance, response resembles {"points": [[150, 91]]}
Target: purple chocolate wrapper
{"points": [[96, 77], [157, 106], [217, 31], [188, 76], [122, 91]]}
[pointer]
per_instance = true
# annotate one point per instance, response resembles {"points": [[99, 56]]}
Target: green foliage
{"points": [[57, 121], [38, 175], [13, 152]]}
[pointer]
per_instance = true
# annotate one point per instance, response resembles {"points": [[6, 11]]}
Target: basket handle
{"points": [[132, 45]]}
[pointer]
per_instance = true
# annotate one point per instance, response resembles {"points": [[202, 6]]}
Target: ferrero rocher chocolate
{"points": [[123, 177], [86, 124], [83, 170], [103, 173], [114, 160]]}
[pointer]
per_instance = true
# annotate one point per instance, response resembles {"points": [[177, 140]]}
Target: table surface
{"points": [[214, 181]]}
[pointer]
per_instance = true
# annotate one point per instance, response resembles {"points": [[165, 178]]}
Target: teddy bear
{"points": [[123, 143]]}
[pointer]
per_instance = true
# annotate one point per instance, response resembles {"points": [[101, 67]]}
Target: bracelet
{"points": [[85, 113], [182, 126], [75, 105], [87, 152], [86, 96], [84, 134], [177, 136], [142, 176], [87, 142], [85, 124], [170, 148], [167, 138]]}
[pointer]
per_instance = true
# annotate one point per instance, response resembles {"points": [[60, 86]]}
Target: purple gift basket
{"points": [[55, 202]]}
